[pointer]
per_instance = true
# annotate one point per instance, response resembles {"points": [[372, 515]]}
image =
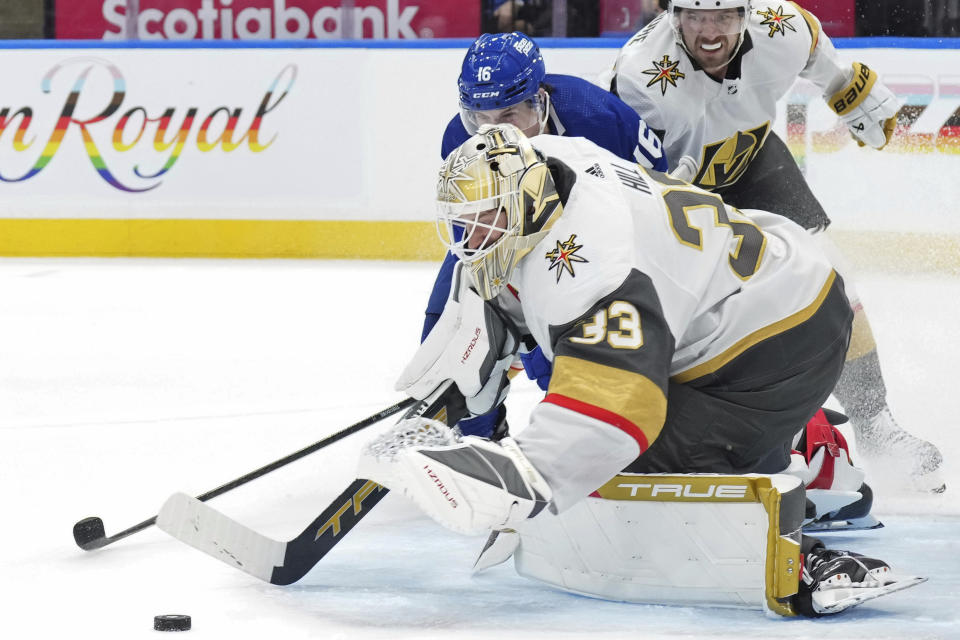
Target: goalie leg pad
{"points": [[700, 539]]}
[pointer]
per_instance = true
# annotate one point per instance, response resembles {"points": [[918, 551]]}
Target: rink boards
{"points": [[330, 150]]}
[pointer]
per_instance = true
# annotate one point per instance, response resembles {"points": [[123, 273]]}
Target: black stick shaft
{"points": [[253, 475]]}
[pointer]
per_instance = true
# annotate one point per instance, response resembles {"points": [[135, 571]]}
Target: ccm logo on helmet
{"points": [[486, 94], [728, 491]]}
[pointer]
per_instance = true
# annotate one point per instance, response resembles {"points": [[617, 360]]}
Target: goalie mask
{"points": [[710, 31], [496, 200]]}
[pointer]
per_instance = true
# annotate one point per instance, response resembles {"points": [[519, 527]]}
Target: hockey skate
{"points": [[838, 499], [835, 580], [884, 444]]}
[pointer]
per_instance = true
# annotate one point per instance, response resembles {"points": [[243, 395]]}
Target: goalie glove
{"points": [[470, 486], [867, 107], [472, 344]]}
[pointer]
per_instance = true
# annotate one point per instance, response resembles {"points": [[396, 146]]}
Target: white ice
{"points": [[122, 381]]}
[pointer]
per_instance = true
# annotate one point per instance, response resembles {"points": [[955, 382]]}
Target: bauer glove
{"points": [[867, 107]]}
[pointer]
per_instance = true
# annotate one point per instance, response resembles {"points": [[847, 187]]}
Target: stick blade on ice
{"points": [[204, 528], [275, 561]]}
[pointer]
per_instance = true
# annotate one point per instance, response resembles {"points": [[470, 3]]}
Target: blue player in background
{"points": [[504, 80]]}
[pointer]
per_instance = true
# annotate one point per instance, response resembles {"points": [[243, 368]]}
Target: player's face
{"points": [[485, 229], [711, 35], [525, 116]]}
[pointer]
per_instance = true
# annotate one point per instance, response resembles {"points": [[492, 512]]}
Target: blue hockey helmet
{"points": [[501, 70]]}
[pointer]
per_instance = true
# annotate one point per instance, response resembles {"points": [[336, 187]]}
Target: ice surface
{"points": [[122, 381]]}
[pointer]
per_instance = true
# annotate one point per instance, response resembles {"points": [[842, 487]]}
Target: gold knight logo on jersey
{"points": [[664, 72], [725, 161], [563, 257], [777, 20]]}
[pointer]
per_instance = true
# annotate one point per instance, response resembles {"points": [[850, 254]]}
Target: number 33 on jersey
{"points": [[645, 279]]}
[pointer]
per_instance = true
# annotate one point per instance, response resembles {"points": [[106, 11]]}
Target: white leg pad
{"points": [[698, 539]]}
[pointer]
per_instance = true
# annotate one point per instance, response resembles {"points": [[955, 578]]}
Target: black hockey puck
{"points": [[171, 622], [88, 530]]}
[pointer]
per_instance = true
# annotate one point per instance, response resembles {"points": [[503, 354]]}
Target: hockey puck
{"points": [[88, 530], [171, 622]]}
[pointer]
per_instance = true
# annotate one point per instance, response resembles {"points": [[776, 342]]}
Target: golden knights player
{"points": [[685, 337], [503, 79], [707, 75]]}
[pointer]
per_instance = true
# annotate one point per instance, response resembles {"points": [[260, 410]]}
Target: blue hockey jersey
{"points": [[581, 109]]}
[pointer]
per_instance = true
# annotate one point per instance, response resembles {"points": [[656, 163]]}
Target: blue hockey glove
{"points": [[491, 425], [537, 367]]}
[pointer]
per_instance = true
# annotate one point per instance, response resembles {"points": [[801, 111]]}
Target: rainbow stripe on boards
{"points": [[125, 137], [797, 133], [26, 117], [916, 96], [160, 144], [66, 119], [252, 134]]}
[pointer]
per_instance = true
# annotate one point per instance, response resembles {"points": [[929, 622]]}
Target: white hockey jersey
{"points": [[722, 124], [642, 280]]}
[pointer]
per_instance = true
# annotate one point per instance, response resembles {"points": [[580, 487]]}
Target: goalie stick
{"points": [[277, 562], [284, 562], [89, 533]]}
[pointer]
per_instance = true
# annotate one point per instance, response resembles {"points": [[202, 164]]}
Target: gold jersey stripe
{"points": [[629, 395], [757, 337], [812, 24], [193, 238]]}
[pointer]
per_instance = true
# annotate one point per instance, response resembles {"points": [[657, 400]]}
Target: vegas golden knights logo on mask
{"points": [[538, 198], [725, 161]]}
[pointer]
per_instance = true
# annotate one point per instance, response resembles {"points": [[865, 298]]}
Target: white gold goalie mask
{"points": [[496, 199]]}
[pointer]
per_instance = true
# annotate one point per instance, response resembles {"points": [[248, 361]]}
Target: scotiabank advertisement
{"points": [[267, 19]]}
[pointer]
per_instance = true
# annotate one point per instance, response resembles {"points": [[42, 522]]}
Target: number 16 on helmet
{"points": [[500, 82]]}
